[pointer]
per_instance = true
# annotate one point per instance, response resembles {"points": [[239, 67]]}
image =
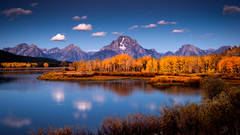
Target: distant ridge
{"points": [[9, 57], [123, 44]]}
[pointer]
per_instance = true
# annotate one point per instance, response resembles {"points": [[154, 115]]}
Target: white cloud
{"points": [[231, 10], [178, 31], [99, 34], [17, 122], [83, 105], [79, 18], [84, 17], [117, 33], [34, 4], [83, 27], [14, 12], [163, 22], [58, 37], [76, 18], [133, 27], [150, 26]]}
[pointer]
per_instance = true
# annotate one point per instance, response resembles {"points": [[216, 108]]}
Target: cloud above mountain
{"points": [[231, 10], [33, 4], [117, 33], [150, 26], [77, 18], [178, 31], [133, 27], [14, 12], [83, 27], [99, 34], [58, 37], [163, 22]]}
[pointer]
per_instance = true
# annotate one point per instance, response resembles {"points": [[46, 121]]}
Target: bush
{"points": [[213, 87]]}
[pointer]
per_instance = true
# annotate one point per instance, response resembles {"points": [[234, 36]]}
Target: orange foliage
{"points": [[168, 64]]}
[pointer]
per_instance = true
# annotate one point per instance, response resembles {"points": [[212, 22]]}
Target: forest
{"points": [[169, 64]]}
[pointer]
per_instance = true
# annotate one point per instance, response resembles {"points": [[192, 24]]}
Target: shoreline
{"points": [[157, 80]]}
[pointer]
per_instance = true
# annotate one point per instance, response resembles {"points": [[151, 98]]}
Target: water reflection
{"points": [[127, 87], [121, 87], [58, 95], [181, 90], [82, 102], [151, 106], [17, 122], [82, 105], [78, 115], [99, 98]]}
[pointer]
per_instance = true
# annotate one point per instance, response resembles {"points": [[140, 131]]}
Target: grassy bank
{"points": [[175, 80], [159, 80], [72, 75], [218, 114]]}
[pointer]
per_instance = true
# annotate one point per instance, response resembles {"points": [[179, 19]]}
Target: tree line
{"points": [[169, 64]]}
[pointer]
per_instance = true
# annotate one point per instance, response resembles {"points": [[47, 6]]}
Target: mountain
{"points": [[26, 50], [189, 50], [69, 53], [9, 57], [122, 45]]}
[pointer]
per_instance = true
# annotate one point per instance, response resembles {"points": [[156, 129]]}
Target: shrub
{"points": [[213, 87]]}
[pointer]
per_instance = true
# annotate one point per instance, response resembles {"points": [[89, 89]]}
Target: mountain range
{"points": [[123, 45]]}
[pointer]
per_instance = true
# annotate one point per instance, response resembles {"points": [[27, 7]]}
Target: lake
{"points": [[27, 104]]}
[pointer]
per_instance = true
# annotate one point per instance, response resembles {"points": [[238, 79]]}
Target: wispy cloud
{"points": [[231, 10], [163, 22], [117, 33], [150, 26], [79, 18], [83, 27], [33, 4], [58, 37], [99, 34], [178, 31], [133, 27], [15, 12]]}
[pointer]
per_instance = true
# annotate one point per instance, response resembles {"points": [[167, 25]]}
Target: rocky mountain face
{"points": [[69, 53], [123, 45], [189, 50], [26, 50]]}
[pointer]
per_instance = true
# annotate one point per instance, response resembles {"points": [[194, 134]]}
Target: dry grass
{"points": [[72, 75], [175, 80]]}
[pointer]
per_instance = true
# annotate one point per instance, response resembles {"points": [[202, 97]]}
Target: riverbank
{"points": [[92, 76], [31, 70], [158, 80]]}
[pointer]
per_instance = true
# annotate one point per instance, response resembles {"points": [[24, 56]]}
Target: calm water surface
{"points": [[27, 103]]}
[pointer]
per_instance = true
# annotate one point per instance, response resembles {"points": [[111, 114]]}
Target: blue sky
{"points": [[203, 23]]}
